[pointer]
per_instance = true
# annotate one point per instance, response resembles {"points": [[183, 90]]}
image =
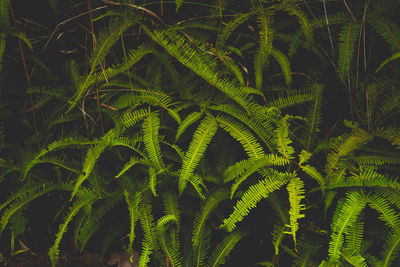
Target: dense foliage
{"points": [[201, 133]]}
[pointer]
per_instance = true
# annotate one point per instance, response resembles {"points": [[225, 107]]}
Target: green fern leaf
{"points": [[222, 250], [151, 126], [202, 215], [189, 120], [133, 203], [345, 216], [245, 137], [296, 191], [284, 64], [145, 253], [282, 139], [386, 213], [391, 249], [201, 138], [387, 29], [252, 196], [347, 37]]}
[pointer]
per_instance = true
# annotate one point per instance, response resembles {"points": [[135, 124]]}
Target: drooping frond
{"points": [[388, 60], [252, 196], [151, 126], [22, 198], [295, 188], [368, 178], [133, 203], [240, 133], [282, 139], [230, 27], [222, 250], [354, 259], [171, 207], [377, 160], [345, 216], [202, 215], [201, 251], [313, 117], [243, 166], [263, 129], [387, 214], [391, 134], [85, 198], [201, 138], [147, 223], [391, 249], [306, 26], [130, 119], [189, 120], [354, 237], [315, 174], [347, 37], [92, 156], [278, 234], [387, 29], [284, 64], [170, 247], [145, 253], [353, 141], [103, 44], [265, 21], [177, 46], [129, 164], [291, 98]]}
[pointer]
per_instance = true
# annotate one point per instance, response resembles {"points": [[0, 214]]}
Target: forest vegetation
{"points": [[200, 133]]}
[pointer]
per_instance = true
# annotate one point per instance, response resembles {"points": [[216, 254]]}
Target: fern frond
{"points": [[278, 234], [103, 44], [147, 222], [354, 237], [176, 46], [347, 37], [133, 203], [315, 174], [295, 188], [222, 250], [307, 249], [391, 249], [230, 27], [387, 29], [377, 160], [201, 250], [284, 64], [129, 164], [261, 128], [306, 26], [22, 198], [151, 126], [345, 216], [388, 60], [265, 20], [353, 141], [245, 137], [202, 215], [313, 117], [391, 134], [282, 139], [252, 196], [355, 260], [83, 200], [145, 253], [201, 138], [386, 213], [189, 120], [291, 98], [171, 250], [129, 119]]}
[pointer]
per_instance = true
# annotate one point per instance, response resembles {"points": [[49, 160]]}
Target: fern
{"points": [[345, 216], [189, 120], [148, 225], [295, 188], [347, 37], [230, 27], [386, 213], [151, 126], [282, 139], [202, 215], [292, 98], [354, 237], [84, 199], [278, 234], [132, 162], [391, 249], [387, 29], [145, 253], [130, 119], [252, 196], [246, 139], [170, 250], [133, 203], [103, 44], [284, 64], [223, 249], [201, 250], [201, 138]]}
